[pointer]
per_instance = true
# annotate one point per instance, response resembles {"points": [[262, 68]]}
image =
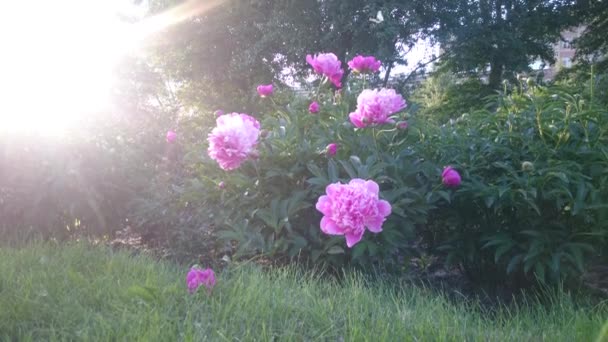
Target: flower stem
{"points": [[376, 144]]}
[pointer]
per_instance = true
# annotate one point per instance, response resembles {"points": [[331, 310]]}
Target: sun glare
{"points": [[57, 60]]}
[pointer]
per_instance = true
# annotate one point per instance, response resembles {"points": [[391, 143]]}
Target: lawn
{"points": [[81, 292]]}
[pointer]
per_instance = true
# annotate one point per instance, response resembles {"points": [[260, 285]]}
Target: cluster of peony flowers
{"points": [[197, 277], [348, 209], [364, 64], [375, 107], [329, 65], [233, 140]]}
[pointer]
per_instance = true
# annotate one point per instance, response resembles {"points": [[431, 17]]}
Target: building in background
{"points": [[564, 53]]}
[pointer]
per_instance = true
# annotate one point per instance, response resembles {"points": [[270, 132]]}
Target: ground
{"points": [[84, 292]]}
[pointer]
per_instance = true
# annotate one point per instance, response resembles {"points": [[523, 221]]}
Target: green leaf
{"points": [[315, 170], [358, 250], [502, 190], [335, 250], [562, 176], [577, 257], [355, 161], [579, 201], [373, 249], [516, 260], [349, 169], [502, 250], [332, 171], [539, 271], [445, 195], [489, 201]]}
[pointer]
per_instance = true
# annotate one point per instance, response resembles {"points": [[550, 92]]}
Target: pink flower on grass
{"points": [[171, 136], [265, 90], [348, 209], [197, 277], [327, 64], [332, 149], [364, 64], [450, 177], [374, 107], [219, 112], [221, 185], [233, 140], [314, 107]]}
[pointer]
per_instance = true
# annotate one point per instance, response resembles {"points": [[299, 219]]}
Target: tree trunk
{"points": [[388, 74], [495, 74]]}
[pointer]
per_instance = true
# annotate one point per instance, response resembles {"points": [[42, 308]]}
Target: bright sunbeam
{"points": [[57, 60]]}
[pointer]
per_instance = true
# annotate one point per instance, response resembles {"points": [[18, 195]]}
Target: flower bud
{"points": [[527, 166]]}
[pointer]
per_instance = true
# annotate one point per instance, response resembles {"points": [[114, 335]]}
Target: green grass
{"points": [[93, 294]]}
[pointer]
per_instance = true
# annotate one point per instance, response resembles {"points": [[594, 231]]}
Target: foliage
{"points": [[443, 96], [586, 79], [593, 45], [227, 51], [267, 205], [84, 292], [506, 35], [532, 203]]}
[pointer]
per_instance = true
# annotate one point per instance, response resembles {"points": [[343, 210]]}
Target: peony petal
{"points": [[333, 189], [446, 170], [374, 224], [324, 205], [353, 238], [357, 181], [384, 208], [330, 227], [372, 187], [356, 120]]}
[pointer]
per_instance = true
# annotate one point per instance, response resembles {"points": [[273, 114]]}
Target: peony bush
{"points": [[328, 177]]}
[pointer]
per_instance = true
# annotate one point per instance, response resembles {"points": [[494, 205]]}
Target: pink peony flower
{"points": [[332, 149], [451, 177], [375, 107], [233, 140], [171, 136], [350, 208], [327, 64], [364, 64], [402, 125], [314, 107], [197, 277], [265, 90]]}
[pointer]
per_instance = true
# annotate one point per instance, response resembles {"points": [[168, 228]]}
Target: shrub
{"points": [[533, 197], [444, 96], [267, 204]]}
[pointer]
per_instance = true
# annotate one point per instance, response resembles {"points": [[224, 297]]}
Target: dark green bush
{"points": [[268, 205], [533, 200]]}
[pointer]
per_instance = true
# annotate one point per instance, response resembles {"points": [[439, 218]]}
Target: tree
{"points": [[504, 35], [224, 52], [594, 42]]}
